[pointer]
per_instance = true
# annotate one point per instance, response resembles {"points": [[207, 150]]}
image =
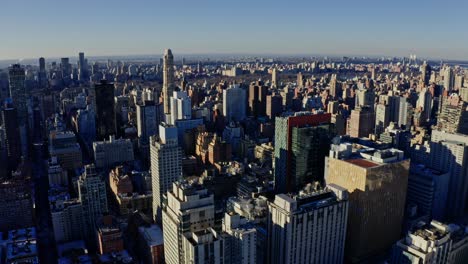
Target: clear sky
{"points": [[57, 28]]}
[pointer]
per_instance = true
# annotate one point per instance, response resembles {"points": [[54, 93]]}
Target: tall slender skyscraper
{"points": [[42, 75], [11, 136], [18, 91], [82, 67], [20, 96], [105, 116], [168, 79], [274, 78], [166, 164]]}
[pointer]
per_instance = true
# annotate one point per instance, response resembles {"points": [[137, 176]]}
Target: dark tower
{"points": [[105, 116]]}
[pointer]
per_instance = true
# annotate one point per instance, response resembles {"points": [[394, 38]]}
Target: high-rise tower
{"points": [[301, 143], [166, 164], [168, 79], [18, 91], [105, 115]]}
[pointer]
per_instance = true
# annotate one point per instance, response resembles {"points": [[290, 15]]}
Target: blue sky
{"points": [[56, 28]]}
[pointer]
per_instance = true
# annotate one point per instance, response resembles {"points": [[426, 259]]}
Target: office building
{"points": [[86, 124], [425, 74], [240, 239], [93, 197], [309, 227], [364, 98], [274, 106], [188, 209], [449, 153], [20, 97], [166, 165], [42, 80], [377, 182], [257, 99], [168, 79], [67, 216], [109, 235], [147, 120], [453, 116], [428, 190], [82, 68], [382, 118], [400, 111], [274, 78], [112, 152], [335, 87], [204, 247], [300, 142], [57, 176], [105, 115], [11, 136], [63, 145], [181, 106], [427, 243], [234, 103], [361, 122], [18, 92], [449, 78], [16, 203]]}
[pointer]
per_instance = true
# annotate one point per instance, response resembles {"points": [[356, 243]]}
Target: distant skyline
{"points": [[53, 28]]}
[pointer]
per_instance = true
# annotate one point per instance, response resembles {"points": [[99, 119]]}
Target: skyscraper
{"points": [[449, 78], [257, 99], [300, 80], [428, 243], [301, 144], [92, 194], [274, 77], [168, 79], [18, 92], [365, 98], [425, 74], [12, 136], [335, 87], [309, 227], [361, 122], [376, 181], [189, 209], [400, 111], [449, 153], [234, 103], [274, 105], [382, 117], [42, 75], [166, 164], [82, 67], [147, 120], [105, 116], [181, 106], [453, 115]]}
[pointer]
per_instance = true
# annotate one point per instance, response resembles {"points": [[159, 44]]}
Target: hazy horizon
{"points": [[53, 28]]}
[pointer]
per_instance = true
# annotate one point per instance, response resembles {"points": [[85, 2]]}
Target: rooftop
{"points": [[362, 162]]}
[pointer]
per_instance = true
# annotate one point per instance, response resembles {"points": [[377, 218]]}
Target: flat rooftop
{"points": [[364, 163]]}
